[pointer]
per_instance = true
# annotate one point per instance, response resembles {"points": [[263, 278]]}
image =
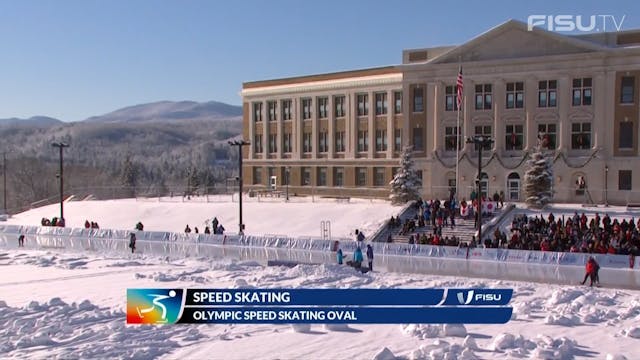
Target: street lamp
{"points": [[606, 177], [240, 144], [480, 141], [61, 146], [287, 172]]}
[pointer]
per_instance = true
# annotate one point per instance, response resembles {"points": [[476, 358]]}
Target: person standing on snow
{"points": [[370, 257], [357, 258], [21, 240], [132, 242], [339, 256]]}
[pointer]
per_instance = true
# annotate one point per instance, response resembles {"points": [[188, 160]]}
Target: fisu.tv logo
{"points": [[561, 23], [153, 306], [472, 296]]}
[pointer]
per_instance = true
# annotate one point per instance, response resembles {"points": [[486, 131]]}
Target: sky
{"points": [[73, 59]]}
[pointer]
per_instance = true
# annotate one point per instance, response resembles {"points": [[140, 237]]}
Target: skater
{"points": [[132, 242], [339, 256], [370, 257], [591, 271], [21, 240]]}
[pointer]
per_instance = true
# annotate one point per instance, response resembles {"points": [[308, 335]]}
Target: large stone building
{"points": [[341, 134]]}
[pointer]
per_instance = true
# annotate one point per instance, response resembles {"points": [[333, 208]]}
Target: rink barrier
{"points": [[315, 244]]}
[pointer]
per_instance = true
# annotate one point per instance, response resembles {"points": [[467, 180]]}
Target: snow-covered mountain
{"points": [[35, 121], [171, 111]]}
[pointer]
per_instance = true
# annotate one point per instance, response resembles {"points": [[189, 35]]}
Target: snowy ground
{"points": [[299, 217], [63, 305]]}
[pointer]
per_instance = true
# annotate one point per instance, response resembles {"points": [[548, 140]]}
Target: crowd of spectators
{"points": [[601, 235]]}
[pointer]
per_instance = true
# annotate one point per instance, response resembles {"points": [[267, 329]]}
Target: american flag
{"points": [[459, 86]]}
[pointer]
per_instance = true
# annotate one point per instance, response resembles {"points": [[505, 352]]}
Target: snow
{"points": [[71, 305]]}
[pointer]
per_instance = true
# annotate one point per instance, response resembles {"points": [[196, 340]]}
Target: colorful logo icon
{"points": [[154, 306], [461, 298]]}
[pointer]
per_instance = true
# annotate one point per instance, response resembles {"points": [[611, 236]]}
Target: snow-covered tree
{"points": [[538, 178], [406, 184]]}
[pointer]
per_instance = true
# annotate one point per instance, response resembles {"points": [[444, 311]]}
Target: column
{"points": [[564, 104], [406, 114], [467, 106], [265, 130], [280, 129], [331, 129], [351, 124], [600, 118], [499, 104], [314, 127], [390, 126], [371, 126], [531, 106], [434, 92], [252, 131], [299, 128]]}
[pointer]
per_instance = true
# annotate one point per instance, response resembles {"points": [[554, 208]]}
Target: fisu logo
{"points": [[462, 300]]}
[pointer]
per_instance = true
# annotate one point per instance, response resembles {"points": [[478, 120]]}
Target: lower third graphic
{"points": [[153, 306]]}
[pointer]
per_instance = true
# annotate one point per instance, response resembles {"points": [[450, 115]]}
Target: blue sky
{"points": [[72, 59]]}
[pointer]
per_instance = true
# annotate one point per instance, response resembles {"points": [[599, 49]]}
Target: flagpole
{"points": [[458, 155]]}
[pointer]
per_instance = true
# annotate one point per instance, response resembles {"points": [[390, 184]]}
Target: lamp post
{"points": [[4, 181], [240, 144], [606, 177], [287, 172], [61, 146], [480, 141]]}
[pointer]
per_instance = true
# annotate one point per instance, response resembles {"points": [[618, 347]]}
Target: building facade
{"points": [[341, 134]]}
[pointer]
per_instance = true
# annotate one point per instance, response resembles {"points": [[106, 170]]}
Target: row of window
{"points": [[513, 138], [323, 142], [581, 94], [379, 178], [339, 107]]}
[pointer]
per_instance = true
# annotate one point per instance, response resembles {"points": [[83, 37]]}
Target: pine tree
{"points": [[406, 184], [129, 177], [538, 179]]}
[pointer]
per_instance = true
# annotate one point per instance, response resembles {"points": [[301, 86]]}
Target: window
{"points": [[418, 100], [273, 143], [378, 176], [580, 136], [418, 144], [381, 140], [286, 143], [363, 140], [514, 137], [450, 98], [272, 111], [626, 135], [515, 95], [581, 92], [257, 175], [547, 96], [397, 98], [286, 109], [624, 180], [381, 103], [339, 141], [307, 145], [338, 103], [322, 176], [338, 176], [397, 144], [363, 105], [257, 143], [361, 176], [306, 109], [627, 89], [323, 143], [306, 176], [484, 131], [483, 97], [452, 137], [548, 135], [257, 112], [323, 103]]}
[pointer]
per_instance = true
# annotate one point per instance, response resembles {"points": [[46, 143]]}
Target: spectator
{"points": [[139, 226], [370, 257], [207, 230], [339, 256], [187, 229]]}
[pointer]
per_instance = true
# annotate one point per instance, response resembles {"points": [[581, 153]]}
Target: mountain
{"points": [[35, 121], [170, 111]]}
